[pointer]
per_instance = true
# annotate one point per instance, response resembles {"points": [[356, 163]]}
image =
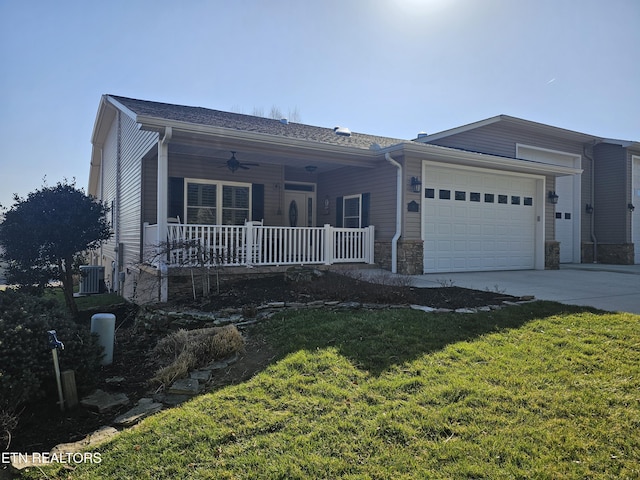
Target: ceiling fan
{"points": [[234, 164]]}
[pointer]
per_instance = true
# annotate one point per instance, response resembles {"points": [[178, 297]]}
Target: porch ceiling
{"points": [[219, 151]]}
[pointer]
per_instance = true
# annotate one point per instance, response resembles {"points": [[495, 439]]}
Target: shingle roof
{"points": [[250, 123]]}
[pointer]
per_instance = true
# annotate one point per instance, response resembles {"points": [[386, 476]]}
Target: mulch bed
{"points": [[42, 425]]}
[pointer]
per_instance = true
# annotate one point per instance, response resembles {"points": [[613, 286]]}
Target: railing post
{"points": [[328, 244], [248, 244], [371, 244]]}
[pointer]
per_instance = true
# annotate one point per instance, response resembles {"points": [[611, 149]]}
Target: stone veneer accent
{"points": [[551, 255], [616, 254], [410, 256]]}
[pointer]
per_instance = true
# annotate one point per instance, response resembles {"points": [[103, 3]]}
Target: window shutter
{"points": [[339, 207], [175, 207], [257, 201], [366, 202]]}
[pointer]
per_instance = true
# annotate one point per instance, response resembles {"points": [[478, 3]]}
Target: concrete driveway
{"points": [[607, 287]]}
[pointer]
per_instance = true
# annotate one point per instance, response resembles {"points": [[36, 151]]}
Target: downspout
{"points": [[116, 217], [594, 240], [394, 241], [163, 185]]}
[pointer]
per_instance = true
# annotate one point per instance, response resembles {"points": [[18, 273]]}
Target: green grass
{"points": [[538, 391], [86, 302]]}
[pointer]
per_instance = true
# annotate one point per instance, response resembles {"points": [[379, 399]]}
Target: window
{"points": [[474, 196], [461, 195], [515, 200], [352, 211], [214, 203], [528, 201], [502, 199], [235, 205], [444, 194], [429, 193], [201, 203], [488, 198]]}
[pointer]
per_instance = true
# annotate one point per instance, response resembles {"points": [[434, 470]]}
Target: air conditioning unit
{"points": [[91, 279]]}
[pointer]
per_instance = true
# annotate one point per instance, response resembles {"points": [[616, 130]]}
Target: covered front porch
{"points": [[254, 244]]}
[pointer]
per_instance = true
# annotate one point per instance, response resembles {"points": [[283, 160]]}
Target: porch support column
{"points": [[162, 209]]}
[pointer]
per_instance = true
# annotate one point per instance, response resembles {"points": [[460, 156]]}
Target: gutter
{"points": [[394, 241]]}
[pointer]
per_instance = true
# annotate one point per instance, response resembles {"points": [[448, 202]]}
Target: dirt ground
{"points": [[42, 425]]}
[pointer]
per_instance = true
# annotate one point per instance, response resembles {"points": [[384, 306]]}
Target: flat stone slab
{"points": [[103, 401], [185, 386], [422, 308], [144, 408], [172, 399], [63, 453], [202, 376]]}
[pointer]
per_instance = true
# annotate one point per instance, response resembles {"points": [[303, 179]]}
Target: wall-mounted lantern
{"points": [[631, 207], [416, 184], [589, 208], [553, 198]]}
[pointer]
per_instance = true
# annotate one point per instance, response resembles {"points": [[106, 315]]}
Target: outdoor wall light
{"points": [[553, 198], [631, 207], [416, 184], [589, 208]]}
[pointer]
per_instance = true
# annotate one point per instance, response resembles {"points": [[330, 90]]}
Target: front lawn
{"points": [[537, 391]]}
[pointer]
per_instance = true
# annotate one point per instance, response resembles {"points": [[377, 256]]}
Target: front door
{"points": [[299, 207]]}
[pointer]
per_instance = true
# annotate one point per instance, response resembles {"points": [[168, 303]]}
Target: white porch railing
{"points": [[257, 245]]}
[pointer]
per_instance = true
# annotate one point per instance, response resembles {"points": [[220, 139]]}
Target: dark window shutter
{"points": [[257, 202], [339, 207], [366, 202], [175, 207]]}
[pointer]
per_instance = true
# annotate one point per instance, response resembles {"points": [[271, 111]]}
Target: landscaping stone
{"points": [[422, 308], [185, 386], [144, 408], [465, 310], [114, 380], [59, 452], [103, 401], [201, 376], [171, 399]]}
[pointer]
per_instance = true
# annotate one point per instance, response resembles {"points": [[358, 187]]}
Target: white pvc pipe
{"points": [[104, 325], [394, 240]]}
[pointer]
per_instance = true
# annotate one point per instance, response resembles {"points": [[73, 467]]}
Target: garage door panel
{"points": [[483, 222]]}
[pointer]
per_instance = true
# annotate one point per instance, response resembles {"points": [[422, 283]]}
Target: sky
{"points": [[384, 67]]}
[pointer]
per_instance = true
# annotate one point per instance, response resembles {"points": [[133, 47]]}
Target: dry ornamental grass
{"points": [[186, 350]]}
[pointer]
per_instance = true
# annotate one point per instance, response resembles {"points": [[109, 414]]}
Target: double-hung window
{"points": [[352, 211], [217, 203]]}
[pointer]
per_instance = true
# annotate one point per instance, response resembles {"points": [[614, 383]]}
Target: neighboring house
{"points": [[241, 191], [595, 217]]}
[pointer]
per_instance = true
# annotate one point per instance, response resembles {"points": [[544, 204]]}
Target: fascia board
{"points": [[456, 130], [461, 157]]}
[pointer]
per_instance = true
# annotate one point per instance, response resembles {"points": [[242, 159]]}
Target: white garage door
{"points": [[476, 221]]}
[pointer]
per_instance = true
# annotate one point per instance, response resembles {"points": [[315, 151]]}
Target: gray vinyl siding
{"points": [[122, 187], [108, 189], [134, 145], [499, 139], [412, 221], [379, 181], [611, 194]]}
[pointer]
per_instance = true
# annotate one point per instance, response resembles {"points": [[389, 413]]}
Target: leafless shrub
{"points": [[444, 283], [185, 350], [8, 422]]}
